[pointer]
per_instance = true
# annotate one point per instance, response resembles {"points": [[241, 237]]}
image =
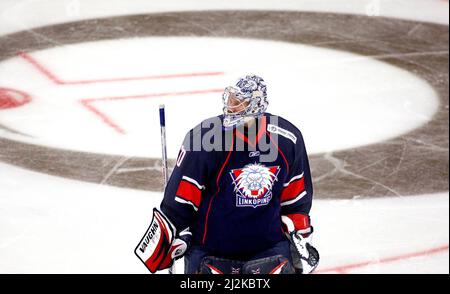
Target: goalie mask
{"points": [[248, 99]]}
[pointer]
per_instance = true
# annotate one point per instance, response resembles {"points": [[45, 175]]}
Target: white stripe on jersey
{"points": [[181, 200], [294, 200], [293, 179], [192, 181]]}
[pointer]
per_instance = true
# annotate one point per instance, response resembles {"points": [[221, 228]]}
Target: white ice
{"points": [[54, 225]]}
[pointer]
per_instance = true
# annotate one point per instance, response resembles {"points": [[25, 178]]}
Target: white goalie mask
{"points": [[248, 99]]}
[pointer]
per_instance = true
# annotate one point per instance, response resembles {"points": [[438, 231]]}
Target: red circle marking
{"points": [[10, 98]]}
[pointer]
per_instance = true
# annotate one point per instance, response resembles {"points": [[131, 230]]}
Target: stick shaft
{"points": [[162, 122]]}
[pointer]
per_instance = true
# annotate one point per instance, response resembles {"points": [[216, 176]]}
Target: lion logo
{"points": [[253, 184]]}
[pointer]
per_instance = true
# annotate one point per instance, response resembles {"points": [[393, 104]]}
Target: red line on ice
{"points": [[9, 100], [103, 117], [154, 95], [88, 103], [40, 68], [54, 78], [345, 268]]}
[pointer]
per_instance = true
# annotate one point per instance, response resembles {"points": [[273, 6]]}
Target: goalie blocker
{"points": [[161, 245]]}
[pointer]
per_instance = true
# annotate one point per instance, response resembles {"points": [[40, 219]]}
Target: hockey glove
{"points": [[161, 244], [299, 230]]}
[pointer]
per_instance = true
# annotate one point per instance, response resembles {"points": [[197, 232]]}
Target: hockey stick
{"points": [[162, 123]]}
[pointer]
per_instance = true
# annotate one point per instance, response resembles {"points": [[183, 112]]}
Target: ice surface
{"points": [[52, 224]]}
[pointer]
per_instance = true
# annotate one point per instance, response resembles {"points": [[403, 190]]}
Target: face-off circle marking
{"points": [[410, 164], [10, 98]]}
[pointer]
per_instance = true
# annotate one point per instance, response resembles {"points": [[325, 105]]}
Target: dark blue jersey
{"points": [[232, 187]]}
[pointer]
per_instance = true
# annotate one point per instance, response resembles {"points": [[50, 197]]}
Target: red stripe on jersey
{"points": [[189, 192], [293, 190], [301, 221]]}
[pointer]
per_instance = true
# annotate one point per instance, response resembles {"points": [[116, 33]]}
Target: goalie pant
{"points": [[196, 256], [233, 201]]}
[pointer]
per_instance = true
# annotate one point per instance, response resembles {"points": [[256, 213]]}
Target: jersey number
{"points": [[181, 156]]}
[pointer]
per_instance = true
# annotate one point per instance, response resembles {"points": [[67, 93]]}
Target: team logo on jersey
{"points": [[253, 184]]}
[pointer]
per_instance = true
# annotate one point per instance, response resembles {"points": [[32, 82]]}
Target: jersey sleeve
{"points": [[183, 193], [297, 193]]}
